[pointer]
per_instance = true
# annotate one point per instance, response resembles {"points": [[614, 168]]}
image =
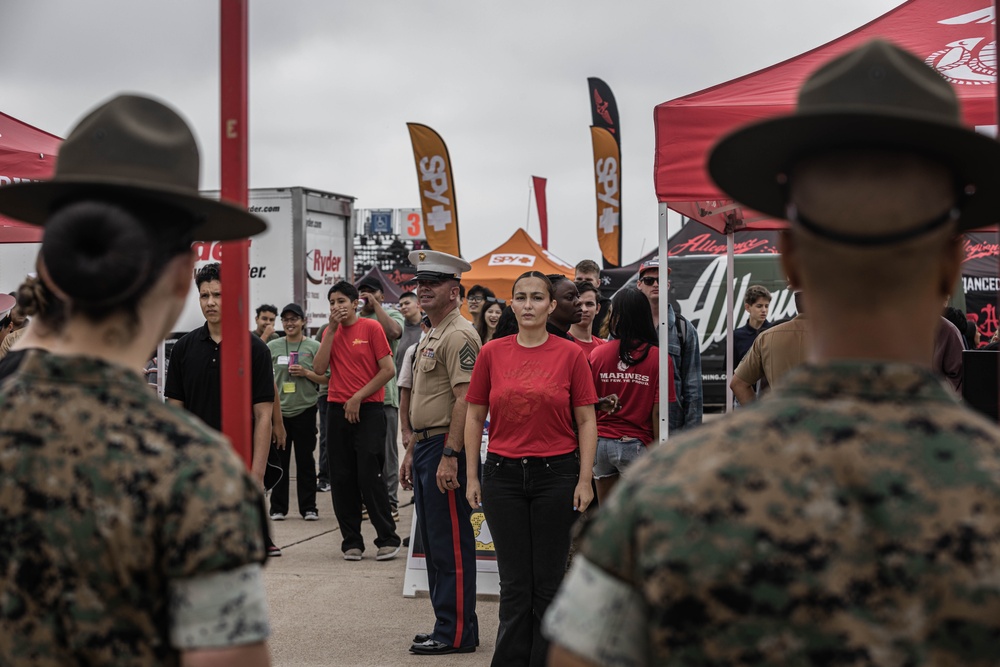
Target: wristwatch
{"points": [[448, 451]]}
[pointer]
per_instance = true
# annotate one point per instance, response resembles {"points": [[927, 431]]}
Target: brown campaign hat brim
{"points": [[131, 149], [34, 202], [751, 163]]}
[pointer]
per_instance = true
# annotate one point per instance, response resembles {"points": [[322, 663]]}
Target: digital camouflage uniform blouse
{"points": [[852, 518], [106, 496]]}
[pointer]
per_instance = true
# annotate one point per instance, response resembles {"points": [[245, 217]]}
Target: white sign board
{"points": [[411, 224], [326, 263]]}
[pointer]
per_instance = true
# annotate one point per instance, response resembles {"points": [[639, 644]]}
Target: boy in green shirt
{"points": [[292, 361]]}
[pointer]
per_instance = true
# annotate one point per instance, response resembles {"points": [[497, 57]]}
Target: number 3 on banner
{"points": [[414, 228]]}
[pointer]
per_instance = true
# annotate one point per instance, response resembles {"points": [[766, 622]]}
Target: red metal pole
{"points": [[236, 411]]}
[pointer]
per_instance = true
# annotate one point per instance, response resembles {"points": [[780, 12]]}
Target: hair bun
{"points": [[96, 253]]}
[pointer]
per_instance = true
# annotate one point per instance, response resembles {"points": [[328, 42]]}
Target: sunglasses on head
{"points": [[499, 302], [649, 281]]}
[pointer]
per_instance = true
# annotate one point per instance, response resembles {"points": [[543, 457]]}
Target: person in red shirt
{"points": [[537, 475], [360, 360], [590, 305], [628, 370]]}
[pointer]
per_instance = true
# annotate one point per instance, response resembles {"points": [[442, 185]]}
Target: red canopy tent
{"points": [[26, 154], [956, 37]]}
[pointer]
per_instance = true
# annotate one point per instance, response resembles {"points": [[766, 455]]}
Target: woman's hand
{"points": [[473, 493], [582, 496]]}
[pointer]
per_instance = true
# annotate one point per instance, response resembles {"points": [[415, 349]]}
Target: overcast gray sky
{"points": [[332, 85]]}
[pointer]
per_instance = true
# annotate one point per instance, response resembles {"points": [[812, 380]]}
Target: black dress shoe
{"points": [[431, 647], [421, 638]]}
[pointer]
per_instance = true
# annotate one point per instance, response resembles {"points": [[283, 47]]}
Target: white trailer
{"points": [[308, 246]]}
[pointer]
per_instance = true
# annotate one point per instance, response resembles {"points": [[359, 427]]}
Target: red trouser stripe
{"points": [[459, 572]]}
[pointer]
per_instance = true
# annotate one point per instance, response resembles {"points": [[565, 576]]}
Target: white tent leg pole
{"points": [[730, 324], [664, 355]]}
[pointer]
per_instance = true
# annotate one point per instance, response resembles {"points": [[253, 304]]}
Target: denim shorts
{"points": [[613, 456]]}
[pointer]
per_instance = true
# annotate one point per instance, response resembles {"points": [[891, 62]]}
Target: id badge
{"points": [[288, 388]]}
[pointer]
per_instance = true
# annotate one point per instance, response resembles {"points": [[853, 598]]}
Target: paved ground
{"points": [[331, 612]]}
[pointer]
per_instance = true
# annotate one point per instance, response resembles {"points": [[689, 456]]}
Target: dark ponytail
{"points": [[631, 322], [106, 257]]}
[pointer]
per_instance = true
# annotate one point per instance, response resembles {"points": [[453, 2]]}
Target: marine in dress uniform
{"points": [[434, 464], [851, 517]]}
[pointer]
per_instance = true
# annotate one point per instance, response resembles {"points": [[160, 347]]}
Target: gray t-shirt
{"points": [[411, 334]]}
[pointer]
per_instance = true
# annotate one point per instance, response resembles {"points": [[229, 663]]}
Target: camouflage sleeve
{"points": [[214, 516], [598, 617], [219, 610]]}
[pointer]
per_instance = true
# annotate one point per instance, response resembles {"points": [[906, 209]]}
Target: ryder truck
{"points": [[308, 246]]}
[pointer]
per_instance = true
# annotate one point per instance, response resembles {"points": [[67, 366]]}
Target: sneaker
{"points": [[311, 516], [353, 554], [387, 553], [277, 516], [395, 514], [323, 487], [273, 550], [364, 513]]}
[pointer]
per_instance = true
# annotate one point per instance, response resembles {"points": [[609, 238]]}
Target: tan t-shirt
{"points": [[775, 352], [445, 358]]}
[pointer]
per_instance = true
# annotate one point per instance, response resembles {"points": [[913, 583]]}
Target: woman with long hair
{"points": [[537, 475], [628, 369], [486, 324], [141, 529]]}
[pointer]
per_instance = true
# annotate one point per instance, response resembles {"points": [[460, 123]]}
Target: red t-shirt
{"points": [[594, 343], [638, 389], [531, 393], [354, 358]]}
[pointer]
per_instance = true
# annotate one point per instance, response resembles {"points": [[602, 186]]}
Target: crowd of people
{"points": [[851, 517]]}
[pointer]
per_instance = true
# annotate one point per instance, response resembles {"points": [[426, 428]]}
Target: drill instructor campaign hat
{"points": [[135, 148], [876, 96], [436, 265]]}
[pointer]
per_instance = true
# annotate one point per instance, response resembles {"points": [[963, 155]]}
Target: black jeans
{"points": [[324, 464], [528, 504], [301, 434], [356, 453]]}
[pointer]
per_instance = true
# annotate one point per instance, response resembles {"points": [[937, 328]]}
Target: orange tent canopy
{"points": [[499, 269]]}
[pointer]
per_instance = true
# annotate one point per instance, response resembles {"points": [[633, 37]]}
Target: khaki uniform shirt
{"points": [[775, 352], [10, 339], [851, 518], [107, 496], [443, 360]]}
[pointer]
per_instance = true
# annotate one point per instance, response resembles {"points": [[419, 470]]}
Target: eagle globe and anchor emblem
{"points": [[971, 61]]}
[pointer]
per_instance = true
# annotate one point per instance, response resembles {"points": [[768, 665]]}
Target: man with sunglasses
{"points": [[684, 347]]}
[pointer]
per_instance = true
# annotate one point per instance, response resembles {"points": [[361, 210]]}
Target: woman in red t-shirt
{"points": [[629, 368], [537, 475]]}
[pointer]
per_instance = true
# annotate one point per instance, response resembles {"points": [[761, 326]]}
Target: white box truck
{"points": [[308, 246]]}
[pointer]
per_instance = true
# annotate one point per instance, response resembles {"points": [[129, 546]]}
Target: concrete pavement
{"points": [[326, 611]]}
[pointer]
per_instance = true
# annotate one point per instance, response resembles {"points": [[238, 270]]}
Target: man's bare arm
{"points": [[390, 326], [174, 401], [560, 657], [249, 655], [261, 440], [742, 390]]}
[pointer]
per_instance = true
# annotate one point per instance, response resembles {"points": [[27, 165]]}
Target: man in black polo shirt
{"points": [[193, 376]]}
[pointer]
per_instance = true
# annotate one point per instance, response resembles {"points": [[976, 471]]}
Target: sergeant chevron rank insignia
{"points": [[467, 357]]}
